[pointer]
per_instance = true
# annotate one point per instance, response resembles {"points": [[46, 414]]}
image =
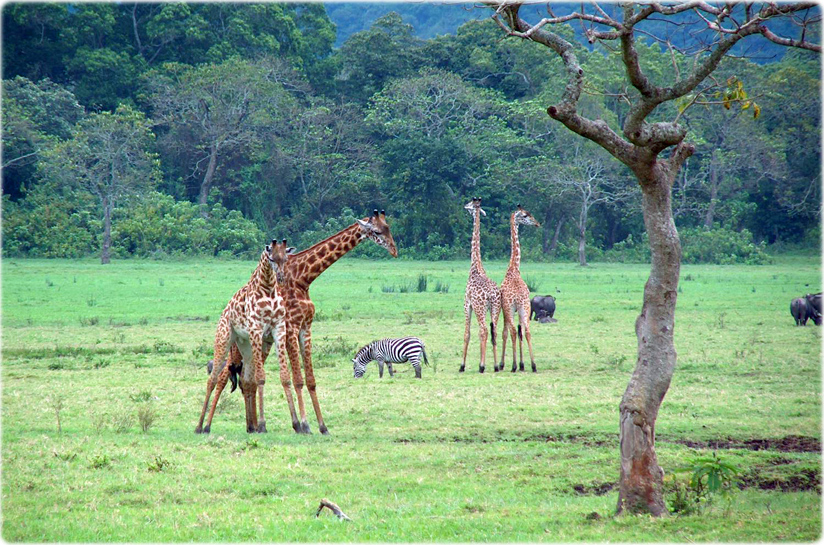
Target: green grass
{"points": [[452, 457]]}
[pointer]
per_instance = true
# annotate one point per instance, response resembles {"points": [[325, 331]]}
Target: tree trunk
{"points": [[206, 184], [641, 478], [582, 236], [105, 250], [554, 244], [710, 216]]}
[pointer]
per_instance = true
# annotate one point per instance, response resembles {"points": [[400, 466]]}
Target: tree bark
{"points": [[553, 246], [582, 236], [641, 477], [105, 250], [710, 216], [208, 178]]}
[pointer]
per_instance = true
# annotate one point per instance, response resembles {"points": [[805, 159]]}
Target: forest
{"points": [[162, 130]]}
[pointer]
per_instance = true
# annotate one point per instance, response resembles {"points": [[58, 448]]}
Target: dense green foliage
{"points": [[247, 111], [491, 457]]}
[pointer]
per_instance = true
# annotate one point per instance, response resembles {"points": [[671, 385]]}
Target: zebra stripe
{"points": [[391, 351]]}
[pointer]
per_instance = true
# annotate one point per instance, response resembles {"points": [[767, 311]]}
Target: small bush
{"points": [[94, 320], [121, 421], [99, 461], [158, 464], [146, 416], [141, 397], [441, 287], [56, 403], [532, 283], [422, 281]]}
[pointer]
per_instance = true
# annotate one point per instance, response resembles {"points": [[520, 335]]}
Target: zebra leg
{"points": [[380, 368], [416, 363], [391, 370]]}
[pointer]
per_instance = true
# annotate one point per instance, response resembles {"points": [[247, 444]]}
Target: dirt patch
{"points": [[790, 443], [598, 489], [807, 479], [588, 441]]}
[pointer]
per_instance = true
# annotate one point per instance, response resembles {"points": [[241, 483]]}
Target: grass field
{"points": [[451, 457]]}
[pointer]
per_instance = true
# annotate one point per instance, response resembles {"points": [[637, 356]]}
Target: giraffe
{"points": [[515, 293], [300, 271], [254, 312], [482, 294]]}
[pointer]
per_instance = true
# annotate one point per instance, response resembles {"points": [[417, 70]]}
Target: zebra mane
{"points": [[363, 350]]}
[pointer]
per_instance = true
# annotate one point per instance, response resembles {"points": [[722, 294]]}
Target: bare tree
{"points": [[639, 144], [584, 175]]}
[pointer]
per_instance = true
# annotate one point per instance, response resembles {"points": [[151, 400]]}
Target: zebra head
{"points": [[360, 360], [376, 229]]}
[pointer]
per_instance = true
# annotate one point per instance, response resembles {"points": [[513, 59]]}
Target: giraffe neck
{"points": [[515, 258], [264, 276], [304, 267], [476, 242]]}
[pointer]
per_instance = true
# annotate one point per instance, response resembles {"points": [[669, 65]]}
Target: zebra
{"points": [[391, 351]]}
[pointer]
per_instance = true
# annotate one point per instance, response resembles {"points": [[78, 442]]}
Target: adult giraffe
{"points": [[515, 294], [482, 294], [299, 272], [255, 311]]}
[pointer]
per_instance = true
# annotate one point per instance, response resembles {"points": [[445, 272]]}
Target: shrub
{"points": [[722, 246]]}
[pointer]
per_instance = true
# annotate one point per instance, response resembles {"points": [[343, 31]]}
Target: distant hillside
{"points": [[430, 19]]}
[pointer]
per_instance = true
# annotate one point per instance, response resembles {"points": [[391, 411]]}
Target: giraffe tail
{"points": [[520, 337], [492, 333]]}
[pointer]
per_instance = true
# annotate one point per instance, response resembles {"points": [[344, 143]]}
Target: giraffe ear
{"points": [[482, 211], [291, 250]]}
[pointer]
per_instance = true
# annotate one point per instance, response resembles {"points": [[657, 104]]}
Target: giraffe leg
{"points": [[222, 344], [495, 310], [285, 372], [507, 310], [248, 382], [513, 335], [310, 378], [480, 314], [520, 340], [221, 383], [261, 427], [468, 319], [301, 425], [528, 336]]}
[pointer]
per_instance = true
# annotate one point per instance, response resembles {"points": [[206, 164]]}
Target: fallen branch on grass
{"points": [[332, 507]]}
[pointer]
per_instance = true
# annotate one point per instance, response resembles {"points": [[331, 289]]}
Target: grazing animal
{"points": [[482, 294], [299, 272], [814, 306], [800, 310], [545, 303], [391, 351], [515, 294], [544, 318], [253, 313], [233, 373]]}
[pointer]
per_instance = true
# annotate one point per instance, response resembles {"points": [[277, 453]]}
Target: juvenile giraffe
{"points": [[515, 293], [300, 271], [482, 294], [256, 311]]}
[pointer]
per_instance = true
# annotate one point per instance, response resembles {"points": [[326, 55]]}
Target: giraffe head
{"points": [[278, 253], [522, 217], [474, 206], [376, 228]]}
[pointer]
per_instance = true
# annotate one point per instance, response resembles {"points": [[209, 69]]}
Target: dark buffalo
{"points": [[540, 303], [800, 310], [814, 306], [544, 318]]}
